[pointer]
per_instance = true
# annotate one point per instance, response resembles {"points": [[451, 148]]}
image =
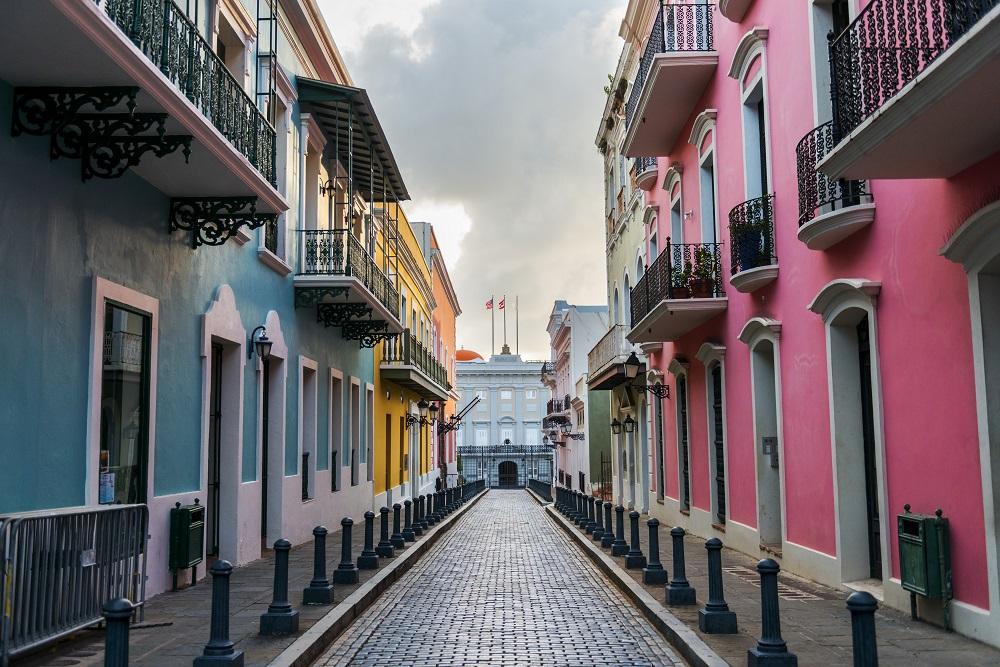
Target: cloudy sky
{"points": [[491, 107]]}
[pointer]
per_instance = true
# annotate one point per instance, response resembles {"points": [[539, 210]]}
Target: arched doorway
{"points": [[507, 475]]}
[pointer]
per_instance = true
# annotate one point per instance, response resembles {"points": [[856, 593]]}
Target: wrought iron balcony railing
{"points": [[751, 234], [557, 405], [816, 190], [643, 164], [406, 350], [887, 46], [611, 346], [336, 252], [171, 41], [503, 450], [677, 27], [682, 271]]}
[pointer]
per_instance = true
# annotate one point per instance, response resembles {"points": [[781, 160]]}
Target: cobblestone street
{"points": [[503, 587]]}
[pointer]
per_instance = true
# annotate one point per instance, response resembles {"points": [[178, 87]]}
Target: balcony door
{"points": [[214, 453]]}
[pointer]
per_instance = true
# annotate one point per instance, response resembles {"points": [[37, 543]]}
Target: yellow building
{"points": [[410, 382]]}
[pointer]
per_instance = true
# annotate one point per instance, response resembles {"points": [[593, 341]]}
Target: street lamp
{"points": [[616, 426], [565, 427], [632, 366], [261, 345], [629, 424]]}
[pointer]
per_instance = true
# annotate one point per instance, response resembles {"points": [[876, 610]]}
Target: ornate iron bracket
{"points": [[111, 157], [215, 221], [339, 314], [41, 111], [73, 136], [368, 333], [306, 297]]}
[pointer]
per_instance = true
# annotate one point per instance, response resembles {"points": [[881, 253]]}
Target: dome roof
{"points": [[467, 355]]}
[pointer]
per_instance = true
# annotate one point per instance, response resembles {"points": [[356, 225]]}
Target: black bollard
{"points": [[220, 650], [599, 523], [581, 509], [591, 519], [280, 618], [608, 538], [117, 614], [368, 560], [619, 547], [715, 618], [431, 515], [385, 548], [771, 648], [862, 606], [408, 534], [419, 522], [634, 559], [397, 534], [654, 572], [319, 590], [679, 591], [346, 572]]}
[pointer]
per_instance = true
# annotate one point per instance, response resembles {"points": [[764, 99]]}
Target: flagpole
{"points": [[517, 325], [504, 301], [493, 327]]}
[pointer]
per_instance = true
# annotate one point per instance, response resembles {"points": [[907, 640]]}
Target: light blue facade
{"points": [[59, 234]]}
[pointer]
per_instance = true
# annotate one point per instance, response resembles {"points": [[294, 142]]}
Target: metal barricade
{"points": [[60, 566]]}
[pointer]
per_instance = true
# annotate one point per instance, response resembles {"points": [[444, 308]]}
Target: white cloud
{"points": [[493, 129]]}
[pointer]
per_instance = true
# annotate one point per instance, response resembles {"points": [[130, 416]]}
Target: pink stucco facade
{"points": [[922, 351]]}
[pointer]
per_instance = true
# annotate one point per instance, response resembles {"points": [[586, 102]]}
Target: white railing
{"points": [[610, 348]]}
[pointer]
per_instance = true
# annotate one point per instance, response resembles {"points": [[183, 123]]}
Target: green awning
{"points": [[338, 108]]}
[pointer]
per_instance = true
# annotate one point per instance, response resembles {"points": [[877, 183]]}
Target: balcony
{"points": [[829, 210], [681, 290], [348, 288], [678, 62], [605, 362], [406, 362], [645, 173], [916, 86], [151, 49], [558, 406], [751, 237], [734, 10]]}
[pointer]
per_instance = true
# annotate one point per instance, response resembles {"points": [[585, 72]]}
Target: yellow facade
{"points": [[395, 443]]}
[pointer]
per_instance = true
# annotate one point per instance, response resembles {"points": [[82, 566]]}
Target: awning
{"points": [[337, 108]]}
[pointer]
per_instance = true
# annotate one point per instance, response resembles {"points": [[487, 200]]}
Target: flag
{"points": [[489, 304], [502, 302]]}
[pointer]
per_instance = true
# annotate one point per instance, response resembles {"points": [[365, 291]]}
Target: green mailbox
{"points": [[187, 538], [924, 557]]}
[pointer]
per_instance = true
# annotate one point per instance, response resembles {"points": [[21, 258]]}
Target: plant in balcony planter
{"points": [[703, 276], [680, 281]]}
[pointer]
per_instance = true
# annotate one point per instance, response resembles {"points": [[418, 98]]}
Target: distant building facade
{"points": [[501, 436]]}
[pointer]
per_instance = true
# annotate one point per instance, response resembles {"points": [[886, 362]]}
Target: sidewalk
{"points": [[176, 626], [815, 622]]}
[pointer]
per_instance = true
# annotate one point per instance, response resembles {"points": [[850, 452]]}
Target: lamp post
{"points": [[259, 344]]}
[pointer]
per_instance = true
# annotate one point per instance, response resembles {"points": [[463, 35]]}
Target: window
{"points": [[402, 310], [676, 218], [827, 16], [125, 372], [482, 437], [370, 431], [531, 435], [579, 417], [355, 431], [507, 434], [654, 250], [706, 183]]}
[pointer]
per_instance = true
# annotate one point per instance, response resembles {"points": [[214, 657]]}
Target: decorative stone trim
{"points": [[749, 45], [835, 290], [710, 351], [755, 326], [703, 122]]}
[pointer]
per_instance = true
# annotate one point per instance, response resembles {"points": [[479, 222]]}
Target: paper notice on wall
{"points": [[106, 488]]}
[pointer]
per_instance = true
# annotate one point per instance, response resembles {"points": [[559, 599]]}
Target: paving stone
{"points": [[503, 587]]}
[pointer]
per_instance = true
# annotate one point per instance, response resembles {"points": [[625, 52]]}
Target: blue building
{"points": [[188, 189]]}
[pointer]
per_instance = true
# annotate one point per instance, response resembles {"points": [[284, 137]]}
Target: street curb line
{"points": [[308, 647], [681, 637], [541, 501]]}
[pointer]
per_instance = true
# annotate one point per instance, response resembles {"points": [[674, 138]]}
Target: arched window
{"points": [[627, 314], [617, 314]]}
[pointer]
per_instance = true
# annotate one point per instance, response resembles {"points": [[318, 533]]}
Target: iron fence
{"points": [[681, 271], [887, 46], [543, 489], [172, 42], [751, 234], [337, 252], [816, 190], [676, 27], [644, 164], [58, 567]]}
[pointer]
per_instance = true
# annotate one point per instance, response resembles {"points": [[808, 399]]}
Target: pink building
{"points": [[824, 278]]}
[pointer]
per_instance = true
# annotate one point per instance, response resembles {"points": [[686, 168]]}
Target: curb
{"points": [[308, 647], [541, 501], [691, 647]]}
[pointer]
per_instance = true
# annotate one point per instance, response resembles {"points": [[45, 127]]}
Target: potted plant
{"points": [[703, 276], [680, 280]]}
